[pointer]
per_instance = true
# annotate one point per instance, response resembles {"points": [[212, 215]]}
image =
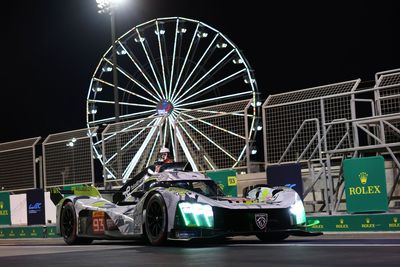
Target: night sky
{"points": [[50, 49]]}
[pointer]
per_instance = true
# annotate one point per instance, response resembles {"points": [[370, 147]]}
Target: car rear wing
{"points": [[57, 194]]}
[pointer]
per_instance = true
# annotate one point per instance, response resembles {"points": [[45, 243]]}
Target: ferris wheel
{"points": [[170, 67]]}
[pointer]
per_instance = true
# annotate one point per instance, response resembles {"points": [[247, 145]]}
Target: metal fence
{"points": [[389, 101], [292, 121], [18, 165], [68, 158]]}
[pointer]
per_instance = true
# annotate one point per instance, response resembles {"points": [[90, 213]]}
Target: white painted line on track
{"points": [[314, 245]]}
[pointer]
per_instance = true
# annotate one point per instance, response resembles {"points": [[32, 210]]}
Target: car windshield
{"points": [[207, 188], [175, 166]]}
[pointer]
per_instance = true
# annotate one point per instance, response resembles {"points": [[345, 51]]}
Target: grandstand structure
{"points": [[319, 127]]}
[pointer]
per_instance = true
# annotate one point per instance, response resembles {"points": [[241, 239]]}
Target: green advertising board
{"points": [[51, 231], [365, 184], [379, 222], [227, 181], [5, 214], [21, 232]]}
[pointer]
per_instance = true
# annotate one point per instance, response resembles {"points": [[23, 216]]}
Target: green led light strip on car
{"points": [[297, 209], [197, 215]]}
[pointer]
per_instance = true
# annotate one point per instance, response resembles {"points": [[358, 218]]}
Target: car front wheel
{"points": [[156, 220], [69, 226]]}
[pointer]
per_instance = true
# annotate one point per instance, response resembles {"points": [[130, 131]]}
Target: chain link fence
{"points": [[68, 158], [18, 165]]}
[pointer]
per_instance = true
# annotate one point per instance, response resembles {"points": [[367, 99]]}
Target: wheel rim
{"points": [[155, 220], [171, 66], [68, 222]]}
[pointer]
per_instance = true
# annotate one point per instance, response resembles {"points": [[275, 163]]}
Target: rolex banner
{"points": [[5, 215], [35, 207], [365, 184]]}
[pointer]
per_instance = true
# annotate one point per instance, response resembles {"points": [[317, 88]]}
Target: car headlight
{"points": [[196, 214], [297, 209]]}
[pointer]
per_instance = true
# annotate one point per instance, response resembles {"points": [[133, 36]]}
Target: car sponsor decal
{"points": [[261, 220], [232, 180], [98, 225]]}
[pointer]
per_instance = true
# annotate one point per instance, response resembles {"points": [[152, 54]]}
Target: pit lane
{"points": [[370, 249]]}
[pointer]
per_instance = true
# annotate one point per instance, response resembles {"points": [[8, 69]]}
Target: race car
{"points": [[176, 203]]}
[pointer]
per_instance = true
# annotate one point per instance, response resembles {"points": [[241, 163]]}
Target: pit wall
{"points": [[19, 227]]}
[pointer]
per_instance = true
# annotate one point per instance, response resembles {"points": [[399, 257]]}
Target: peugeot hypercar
{"points": [[176, 204]]}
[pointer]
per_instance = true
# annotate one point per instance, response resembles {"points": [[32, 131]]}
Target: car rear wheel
{"points": [[272, 237], [69, 226], [156, 220]]}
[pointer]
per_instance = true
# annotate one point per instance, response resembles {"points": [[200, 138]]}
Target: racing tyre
{"points": [[155, 222], [272, 237], [69, 226]]}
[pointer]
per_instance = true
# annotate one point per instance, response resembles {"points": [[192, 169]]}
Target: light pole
{"points": [[110, 6]]}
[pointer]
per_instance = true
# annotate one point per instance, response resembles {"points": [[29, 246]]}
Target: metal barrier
{"points": [[68, 158], [18, 165]]}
